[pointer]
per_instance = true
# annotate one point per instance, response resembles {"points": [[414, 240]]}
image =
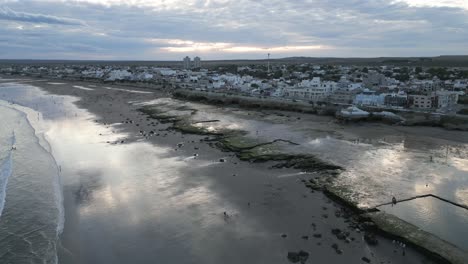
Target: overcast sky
{"points": [[225, 29]]}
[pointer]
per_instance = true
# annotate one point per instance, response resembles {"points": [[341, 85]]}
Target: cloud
{"points": [[437, 3], [217, 29], [9, 14]]}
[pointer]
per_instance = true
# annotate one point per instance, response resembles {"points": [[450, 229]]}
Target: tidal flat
{"points": [[195, 183]]}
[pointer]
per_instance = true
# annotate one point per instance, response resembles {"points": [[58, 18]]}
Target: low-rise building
{"points": [[422, 101]]}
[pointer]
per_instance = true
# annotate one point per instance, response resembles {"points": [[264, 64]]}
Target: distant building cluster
{"points": [[389, 87], [188, 64]]}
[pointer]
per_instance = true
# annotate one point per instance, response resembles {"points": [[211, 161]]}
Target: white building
{"points": [[460, 84], [369, 98], [446, 99], [119, 75]]}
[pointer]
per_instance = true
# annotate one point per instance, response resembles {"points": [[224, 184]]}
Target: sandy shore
{"points": [[268, 214]]}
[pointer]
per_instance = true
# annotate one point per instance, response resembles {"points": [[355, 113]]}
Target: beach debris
{"points": [[284, 235], [296, 257], [222, 160], [317, 235], [365, 259]]}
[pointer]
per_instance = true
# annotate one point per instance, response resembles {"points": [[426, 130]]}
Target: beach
{"points": [[139, 190]]}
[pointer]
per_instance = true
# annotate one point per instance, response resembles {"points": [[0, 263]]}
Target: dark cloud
{"points": [[9, 14]]}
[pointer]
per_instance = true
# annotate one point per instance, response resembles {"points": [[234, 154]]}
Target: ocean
{"points": [[31, 205]]}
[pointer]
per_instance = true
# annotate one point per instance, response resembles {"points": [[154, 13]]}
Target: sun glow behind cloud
{"points": [[436, 3], [178, 45]]}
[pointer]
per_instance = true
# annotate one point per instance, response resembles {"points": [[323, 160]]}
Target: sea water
{"points": [[31, 213]]}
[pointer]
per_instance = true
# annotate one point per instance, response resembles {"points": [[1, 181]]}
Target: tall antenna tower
{"points": [[268, 62]]}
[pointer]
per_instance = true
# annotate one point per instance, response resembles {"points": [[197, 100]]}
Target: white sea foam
{"points": [[55, 83], [29, 115], [6, 165], [6, 168], [82, 88]]}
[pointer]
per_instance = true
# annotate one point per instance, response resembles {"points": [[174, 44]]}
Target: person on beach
{"points": [[394, 200]]}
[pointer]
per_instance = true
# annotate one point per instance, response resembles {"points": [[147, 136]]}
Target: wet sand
{"points": [[148, 200]]}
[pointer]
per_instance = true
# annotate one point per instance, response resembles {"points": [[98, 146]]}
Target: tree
{"points": [[418, 70], [403, 77]]}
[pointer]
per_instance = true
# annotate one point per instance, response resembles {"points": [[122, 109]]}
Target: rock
{"points": [[293, 257], [284, 235], [296, 257], [336, 231], [317, 235], [337, 250], [341, 236], [365, 259], [222, 160], [305, 237], [368, 225], [370, 239]]}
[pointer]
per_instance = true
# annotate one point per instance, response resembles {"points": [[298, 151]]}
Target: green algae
{"points": [[160, 115], [249, 149]]}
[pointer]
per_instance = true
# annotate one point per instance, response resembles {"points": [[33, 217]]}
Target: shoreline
{"points": [[411, 118], [188, 132]]}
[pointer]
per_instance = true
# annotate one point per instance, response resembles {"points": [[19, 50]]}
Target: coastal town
{"points": [[414, 89]]}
